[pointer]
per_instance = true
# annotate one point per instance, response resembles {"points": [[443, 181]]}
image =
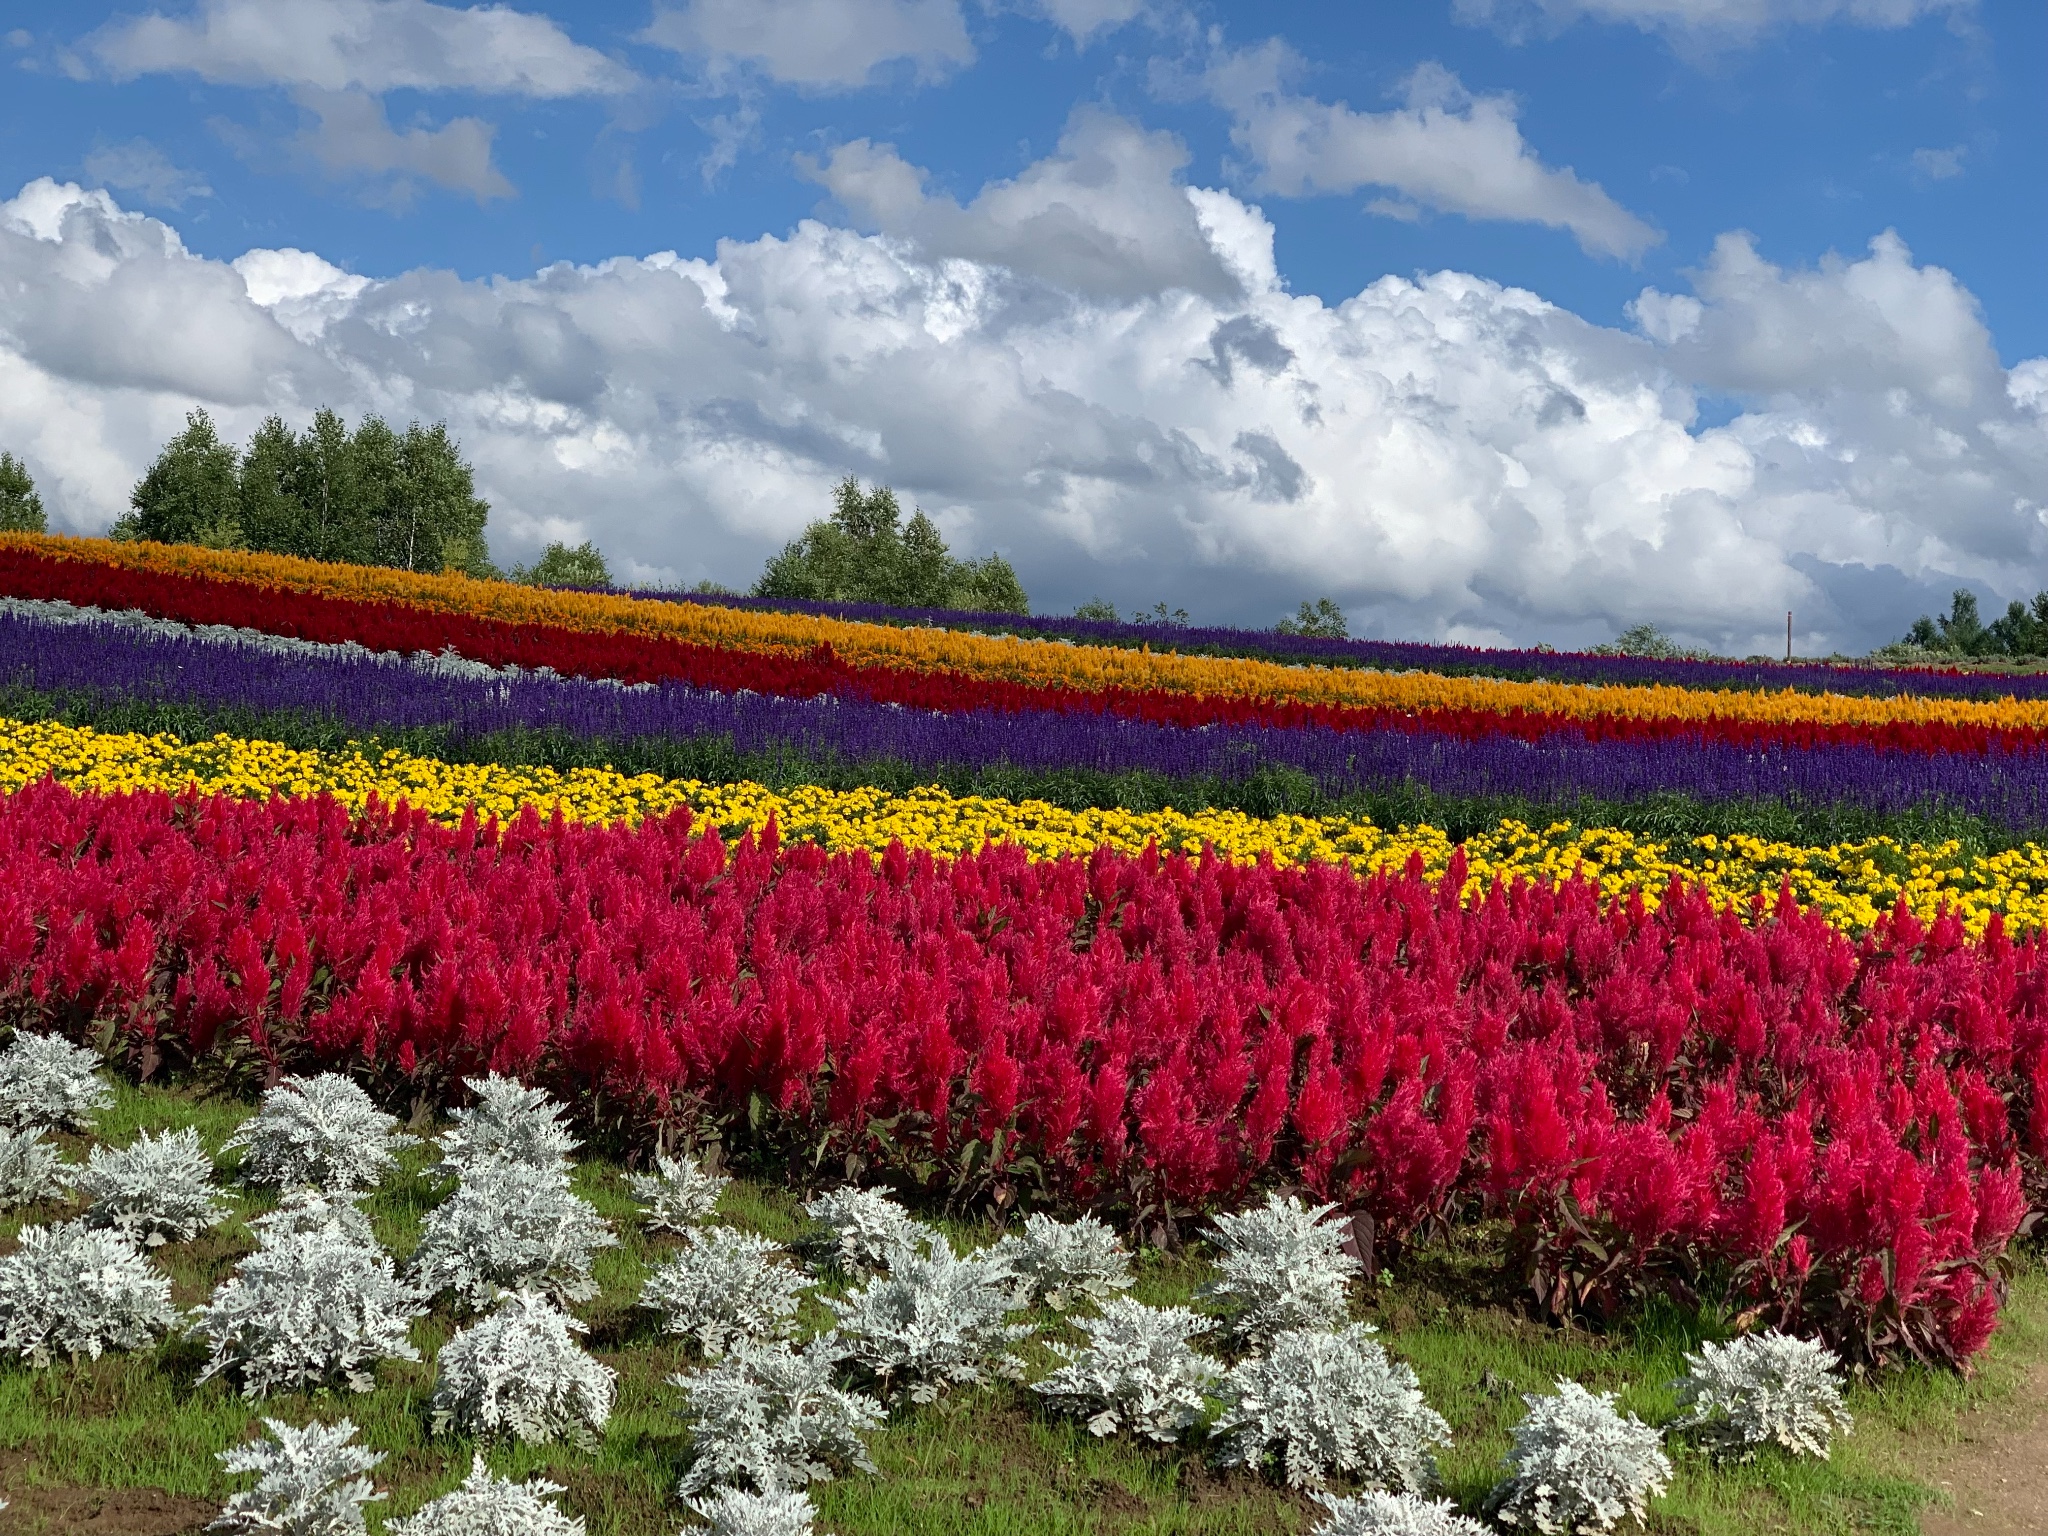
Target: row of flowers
{"points": [[584, 635], [1851, 884], [122, 660], [1846, 1131]]}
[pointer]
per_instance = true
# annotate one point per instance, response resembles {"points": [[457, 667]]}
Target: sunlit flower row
{"points": [[1850, 882], [1035, 662]]}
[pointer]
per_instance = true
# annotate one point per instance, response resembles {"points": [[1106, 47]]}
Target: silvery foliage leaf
{"points": [[46, 1081], [679, 1193], [323, 1131], [510, 1121], [31, 1168], [1323, 1404], [934, 1321], [310, 1307], [309, 1482], [157, 1189], [1763, 1389], [1068, 1262], [314, 1210], [724, 1287], [771, 1416], [510, 1226], [862, 1228], [490, 1506], [1283, 1267], [1375, 1513], [735, 1512], [77, 1290], [1137, 1372], [1577, 1465], [520, 1370]]}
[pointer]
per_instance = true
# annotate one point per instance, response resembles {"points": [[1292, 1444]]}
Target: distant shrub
{"points": [[323, 1131], [311, 1307], [158, 1189], [1137, 1372], [736, 1512], [678, 1194], [1066, 1263], [490, 1506], [509, 1120], [1376, 1513], [1763, 1389], [31, 1168], [1320, 1405], [521, 1371], [309, 1482], [46, 1081], [933, 1321], [772, 1416], [1283, 1266], [1578, 1466], [861, 1228], [79, 1291], [510, 1226], [723, 1288]]}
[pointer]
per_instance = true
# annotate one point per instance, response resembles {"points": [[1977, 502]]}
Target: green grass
{"points": [[985, 1462]]}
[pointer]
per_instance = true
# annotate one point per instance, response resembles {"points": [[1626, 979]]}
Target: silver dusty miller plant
{"points": [[679, 1194], [510, 1121], [31, 1168], [47, 1082], [314, 1210], [323, 1131], [1067, 1263], [771, 1416], [859, 1230], [1138, 1372], [1282, 1267], [736, 1512], [1763, 1389], [1322, 1404], [309, 1482], [723, 1288], [521, 1371], [934, 1321], [311, 1307], [157, 1189], [1578, 1466], [78, 1291], [510, 1226], [1377, 1513], [491, 1506]]}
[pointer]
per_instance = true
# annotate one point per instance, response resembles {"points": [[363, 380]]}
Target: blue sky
{"points": [[1726, 404]]}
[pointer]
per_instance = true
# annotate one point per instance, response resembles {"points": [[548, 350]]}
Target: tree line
{"points": [[2022, 630]]}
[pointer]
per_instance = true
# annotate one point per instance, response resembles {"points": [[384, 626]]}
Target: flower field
{"points": [[1688, 984], [1803, 1077]]}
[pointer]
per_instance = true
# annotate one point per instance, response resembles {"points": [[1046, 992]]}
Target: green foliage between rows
{"points": [[988, 1462]]}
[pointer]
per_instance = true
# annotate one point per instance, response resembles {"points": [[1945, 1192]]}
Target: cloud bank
{"points": [[1445, 456]]}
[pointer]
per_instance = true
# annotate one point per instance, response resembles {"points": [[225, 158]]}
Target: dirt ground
{"points": [[1997, 1471], [103, 1512]]}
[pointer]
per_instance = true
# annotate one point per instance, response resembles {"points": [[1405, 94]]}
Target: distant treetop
{"points": [[21, 509], [866, 553]]}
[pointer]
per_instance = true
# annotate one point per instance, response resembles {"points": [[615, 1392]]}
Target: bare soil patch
{"points": [[1997, 1470]]}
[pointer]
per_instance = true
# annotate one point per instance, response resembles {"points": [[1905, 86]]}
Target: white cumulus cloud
{"points": [[1443, 455], [1444, 149], [822, 44], [361, 45]]}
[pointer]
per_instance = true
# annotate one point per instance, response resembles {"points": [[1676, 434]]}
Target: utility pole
{"points": [[1788, 637]]}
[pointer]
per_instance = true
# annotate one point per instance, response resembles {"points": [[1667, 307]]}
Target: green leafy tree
{"points": [[21, 509], [1173, 618], [1959, 632], [191, 494], [561, 566], [866, 553], [2023, 629], [1319, 620], [1098, 610]]}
